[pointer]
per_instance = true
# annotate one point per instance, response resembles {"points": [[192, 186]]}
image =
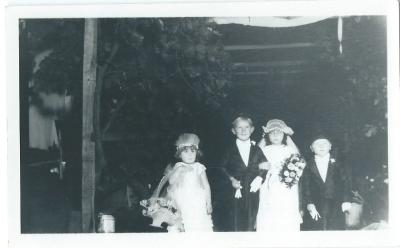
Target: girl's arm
{"points": [[163, 181], [206, 186], [161, 185]]}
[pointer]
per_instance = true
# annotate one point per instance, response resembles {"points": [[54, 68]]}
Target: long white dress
{"points": [[279, 205], [186, 190]]}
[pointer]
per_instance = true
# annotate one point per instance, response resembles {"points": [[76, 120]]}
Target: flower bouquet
{"points": [[292, 169], [162, 210]]}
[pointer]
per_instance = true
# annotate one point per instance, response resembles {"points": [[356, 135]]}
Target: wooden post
{"points": [[88, 145]]}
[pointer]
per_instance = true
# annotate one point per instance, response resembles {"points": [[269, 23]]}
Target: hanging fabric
{"points": [[270, 21], [58, 104], [281, 22], [340, 33], [42, 130], [42, 127]]}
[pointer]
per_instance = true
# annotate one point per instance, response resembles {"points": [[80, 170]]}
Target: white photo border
{"points": [[378, 238]]}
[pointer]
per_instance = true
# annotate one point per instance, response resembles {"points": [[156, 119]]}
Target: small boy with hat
{"points": [[326, 188]]}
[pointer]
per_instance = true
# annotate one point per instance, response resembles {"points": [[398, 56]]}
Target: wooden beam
{"points": [[276, 63], [88, 146], [258, 73], [115, 137], [273, 46]]}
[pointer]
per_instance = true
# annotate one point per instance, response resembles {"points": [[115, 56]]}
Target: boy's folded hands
{"points": [[235, 183]]}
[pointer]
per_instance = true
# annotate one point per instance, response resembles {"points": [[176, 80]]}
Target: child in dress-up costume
{"points": [[279, 207], [327, 188], [241, 164], [188, 186]]}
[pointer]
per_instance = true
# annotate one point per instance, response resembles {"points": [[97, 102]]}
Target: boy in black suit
{"points": [[245, 165], [326, 189]]}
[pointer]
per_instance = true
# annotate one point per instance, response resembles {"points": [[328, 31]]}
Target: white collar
{"points": [[243, 143], [324, 158]]}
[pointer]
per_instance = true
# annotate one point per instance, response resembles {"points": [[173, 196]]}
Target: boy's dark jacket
{"points": [[245, 208], [335, 190]]}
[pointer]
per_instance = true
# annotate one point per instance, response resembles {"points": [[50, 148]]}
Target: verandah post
{"points": [[88, 144]]}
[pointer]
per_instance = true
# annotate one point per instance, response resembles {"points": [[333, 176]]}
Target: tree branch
{"points": [[181, 73], [100, 157], [114, 115], [103, 69]]}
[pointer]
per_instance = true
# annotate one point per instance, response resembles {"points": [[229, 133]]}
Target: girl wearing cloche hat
{"points": [[188, 185], [279, 206], [276, 125]]}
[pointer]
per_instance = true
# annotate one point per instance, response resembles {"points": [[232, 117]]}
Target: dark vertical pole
{"points": [[25, 69]]}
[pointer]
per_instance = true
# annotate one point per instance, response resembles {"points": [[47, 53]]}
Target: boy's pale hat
{"points": [[276, 124], [187, 139]]}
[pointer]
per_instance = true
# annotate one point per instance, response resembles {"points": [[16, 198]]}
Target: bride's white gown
{"points": [[279, 205]]}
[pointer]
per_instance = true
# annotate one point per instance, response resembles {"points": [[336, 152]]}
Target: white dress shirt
{"points": [[244, 150], [322, 165]]}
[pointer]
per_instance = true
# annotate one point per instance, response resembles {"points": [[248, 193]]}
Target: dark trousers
{"points": [[332, 217], [245, 212]]}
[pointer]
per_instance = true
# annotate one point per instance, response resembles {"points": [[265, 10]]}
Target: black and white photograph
{"points": [[204, 124]]}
